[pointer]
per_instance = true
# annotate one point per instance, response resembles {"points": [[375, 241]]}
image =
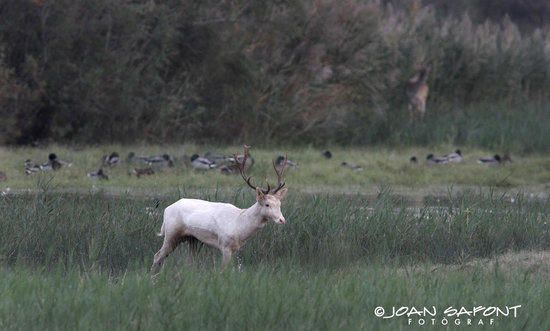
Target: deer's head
{"points": [[269, 199]]}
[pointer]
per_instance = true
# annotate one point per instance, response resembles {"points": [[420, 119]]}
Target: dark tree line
{"points": [[95, 71]]}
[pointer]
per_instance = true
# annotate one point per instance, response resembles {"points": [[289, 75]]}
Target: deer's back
{"points": [[195, 210]]}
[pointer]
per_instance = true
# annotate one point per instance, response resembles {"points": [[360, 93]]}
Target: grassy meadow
{"points": [[262, 299], [381, 166], [80, 261], [76, 252]]}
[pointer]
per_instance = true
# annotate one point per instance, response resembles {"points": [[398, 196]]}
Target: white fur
{"points": [[220, 225]]}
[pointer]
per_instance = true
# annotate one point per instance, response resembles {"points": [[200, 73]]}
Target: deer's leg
{"points": [[416, 108], [422, 107], [171, 241], [226, 257], [411, 109]]}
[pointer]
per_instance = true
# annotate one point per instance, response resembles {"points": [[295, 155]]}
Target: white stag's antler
{"points": [[241, 165]]}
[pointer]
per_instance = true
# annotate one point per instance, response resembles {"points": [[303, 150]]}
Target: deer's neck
{"points": [[249, 221]]}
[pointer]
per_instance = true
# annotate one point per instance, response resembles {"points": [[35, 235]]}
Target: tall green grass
{"points": [[520, 129], [266, 298], [72, 261], [323, 231]]}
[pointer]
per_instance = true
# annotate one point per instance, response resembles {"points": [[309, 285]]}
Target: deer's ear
{"points": [[260, 196], [281, 193]]}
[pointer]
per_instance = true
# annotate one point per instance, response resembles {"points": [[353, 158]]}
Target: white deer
{"points": [[220, 225]]}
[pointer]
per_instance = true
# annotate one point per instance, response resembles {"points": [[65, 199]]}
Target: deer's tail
{"points": [[161, 233]]}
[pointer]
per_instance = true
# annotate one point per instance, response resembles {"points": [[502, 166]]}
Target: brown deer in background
{"points": [[417, 92]]}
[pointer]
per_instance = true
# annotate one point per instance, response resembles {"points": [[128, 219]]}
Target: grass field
{"points": [[268, 298], [73, 261], [381, 166], [73, 255]]}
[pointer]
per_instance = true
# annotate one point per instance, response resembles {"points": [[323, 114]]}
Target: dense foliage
{"points": [[94, 71]]}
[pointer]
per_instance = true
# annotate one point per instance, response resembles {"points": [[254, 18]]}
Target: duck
{"points": [[52, 164], [327, 154], [455, 157], [490, 160], [201, 163], [31, 167], [229, 169], [506, 158], [219, 159], [3, 176], [431, 159], [351, 166], [495, 160], [413, 160], [143, 172], [99, 174], [232, 168], [239, 158], [133, 158], [111, 159], [163, 160], [52, 156], [279, 162]]}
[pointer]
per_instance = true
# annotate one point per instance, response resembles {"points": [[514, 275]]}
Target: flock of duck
{"points": [[142, 165], [456, 157], [53, 163]]}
